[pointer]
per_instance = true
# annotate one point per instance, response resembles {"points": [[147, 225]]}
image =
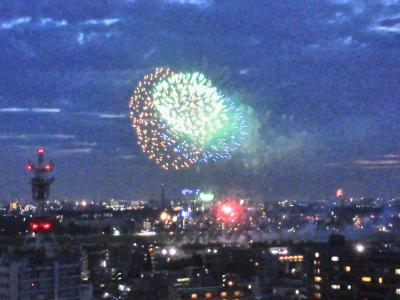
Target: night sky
{"points": [[322, 79]]}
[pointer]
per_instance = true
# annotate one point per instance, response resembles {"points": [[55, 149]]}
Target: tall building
{"points": [[345, 270], [33, 274]]}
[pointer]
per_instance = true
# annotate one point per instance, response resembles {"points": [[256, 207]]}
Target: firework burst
{"points": [[182, 119]]}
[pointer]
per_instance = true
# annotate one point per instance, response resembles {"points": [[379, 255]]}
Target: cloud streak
{"points": [[105, 22], [35, 110], [36, 136], [199, 3], [74, 151], [11, 23], [389, 161]]}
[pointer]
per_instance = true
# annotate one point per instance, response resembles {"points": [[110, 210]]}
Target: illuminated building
{"points": [[42, 273], [345, 270]]}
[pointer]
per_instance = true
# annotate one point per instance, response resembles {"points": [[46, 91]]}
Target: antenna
{"points": [[40, 188]]}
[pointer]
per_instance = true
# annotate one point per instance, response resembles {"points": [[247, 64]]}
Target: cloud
{"points": [[342, 43], [387, 29], [36, 136], [104, 115], [74, 151], [378, 162], [128, 157], [35, 110], [13, 110], [339, 18], [105, 22], [112, 116], [52, 22], [388, 161], [392, 156], [200, 3], [46, 110], [83, 38], [10, 24], [44, 22], [390, 24]]}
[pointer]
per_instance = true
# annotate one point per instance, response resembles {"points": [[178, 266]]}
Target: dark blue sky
{"points": [[322, 79]]}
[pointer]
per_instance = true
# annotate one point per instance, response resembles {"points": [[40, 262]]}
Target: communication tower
{"points": [[40, 191]]}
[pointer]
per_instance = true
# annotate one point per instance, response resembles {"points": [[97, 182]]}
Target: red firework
{"points": [[228, 211]]}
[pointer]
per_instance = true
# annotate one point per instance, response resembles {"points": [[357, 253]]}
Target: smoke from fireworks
{"points": [[182, 119]]}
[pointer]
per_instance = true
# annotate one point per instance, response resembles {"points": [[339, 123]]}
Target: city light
{"points": [[164, 216], [206, 197], [172, 251], [185, 214], [360, 248]]}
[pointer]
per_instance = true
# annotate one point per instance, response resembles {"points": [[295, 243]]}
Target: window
{"points": [[317, 278], [193, 296], [334, 258], [366, 279], [397, 271], [347, 268], [208, 295], [316, 254], [335, 286]]}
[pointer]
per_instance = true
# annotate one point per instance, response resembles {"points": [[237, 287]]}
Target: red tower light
{"points": [[29, 167], [34, 226], [40, 150], [40, 225], [46, 226]]}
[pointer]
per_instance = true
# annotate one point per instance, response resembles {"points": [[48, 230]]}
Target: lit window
{"points": [[335, 286], [366, 279], [347, 268], [316, 254], [349, 287], [208, 295], [334, 258], [224, 294], [237, 293], [193, 296], [317, 287], [397, 291], [317, 278], [317, 295], [380, 280], [397, 271]]}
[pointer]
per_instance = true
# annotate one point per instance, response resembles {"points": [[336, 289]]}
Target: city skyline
{"points": [[320, 79]]}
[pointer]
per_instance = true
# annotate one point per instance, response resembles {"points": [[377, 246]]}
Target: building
{"points": [[42, 273], [345, 270]]}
